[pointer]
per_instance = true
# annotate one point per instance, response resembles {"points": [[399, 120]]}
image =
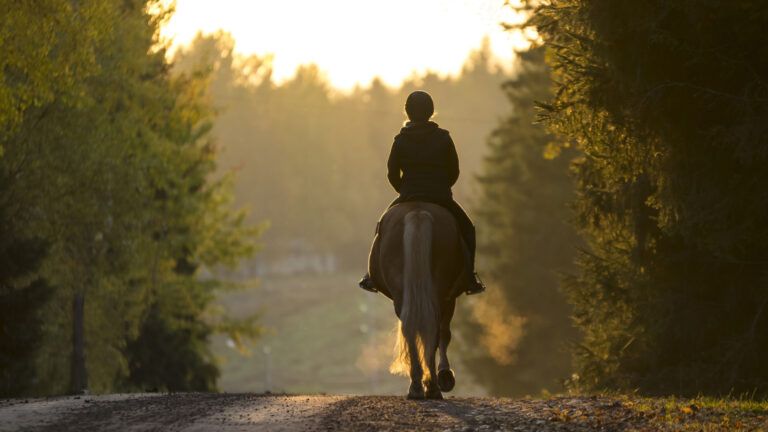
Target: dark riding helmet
{"points": [[419, 106]]}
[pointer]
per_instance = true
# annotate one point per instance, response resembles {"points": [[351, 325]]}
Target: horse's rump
{"points": [[448, 251]]}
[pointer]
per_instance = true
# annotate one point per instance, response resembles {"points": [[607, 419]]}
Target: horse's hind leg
{"points": [[433, 389], [416, 390], [445, 376]]}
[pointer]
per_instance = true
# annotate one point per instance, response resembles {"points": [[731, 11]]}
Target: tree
{"points": [[20, 303], [48, 52], [121, 185], [667, 102], [525, 244]]}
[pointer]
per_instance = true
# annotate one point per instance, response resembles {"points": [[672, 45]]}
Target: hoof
{"points": [[433, 390], [434, 394], [415, 392], [446, 380]]}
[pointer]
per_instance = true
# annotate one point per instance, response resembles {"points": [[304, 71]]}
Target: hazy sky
{"points": [[351, 40]]}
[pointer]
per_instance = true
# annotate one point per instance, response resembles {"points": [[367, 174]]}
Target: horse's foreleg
{"points": [[445, 377]]}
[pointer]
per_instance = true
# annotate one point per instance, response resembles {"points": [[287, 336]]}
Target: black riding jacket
{"points": [[427, 158]]}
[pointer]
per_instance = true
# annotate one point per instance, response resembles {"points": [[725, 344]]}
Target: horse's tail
{"points": [[419, 321]]}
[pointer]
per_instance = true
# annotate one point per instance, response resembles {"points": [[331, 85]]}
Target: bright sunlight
{"points": [[352, 41]]}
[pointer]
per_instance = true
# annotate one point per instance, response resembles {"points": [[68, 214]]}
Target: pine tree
{"points": [[525, 243], [667, 102]]}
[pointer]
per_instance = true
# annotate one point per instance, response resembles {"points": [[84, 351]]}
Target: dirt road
{"points": [[249, 412]]}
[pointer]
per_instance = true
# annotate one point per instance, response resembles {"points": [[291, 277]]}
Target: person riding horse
{"points": [[423, 166]]}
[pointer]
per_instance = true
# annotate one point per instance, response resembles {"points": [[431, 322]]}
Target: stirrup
{"points": [[367, 284], [476, 286]]}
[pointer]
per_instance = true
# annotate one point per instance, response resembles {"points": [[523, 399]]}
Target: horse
{"points": [[420, 264]]}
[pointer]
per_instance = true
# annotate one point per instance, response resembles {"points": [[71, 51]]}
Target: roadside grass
{"points": [[675, 413], [612, 411], [704, 413]]}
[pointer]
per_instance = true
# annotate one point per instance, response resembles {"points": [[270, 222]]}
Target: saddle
{"points": [[374, 283]]}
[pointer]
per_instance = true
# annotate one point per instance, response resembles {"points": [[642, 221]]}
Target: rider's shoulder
{"points": [[444, 135], [398, 140], [432, 131]]}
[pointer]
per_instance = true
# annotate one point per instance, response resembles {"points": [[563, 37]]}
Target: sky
{"points": [[352, 41]]}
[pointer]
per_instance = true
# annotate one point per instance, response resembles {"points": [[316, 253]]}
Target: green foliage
{"points": [[120, 181], [524, 243], [48, 51], [667, 102]]}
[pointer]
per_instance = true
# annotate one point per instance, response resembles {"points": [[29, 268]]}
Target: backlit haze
{"points": [[352, 41], [311, 161]]}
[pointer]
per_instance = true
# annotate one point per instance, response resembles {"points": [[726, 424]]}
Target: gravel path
{"points": [[202, 412], [169, 412]]}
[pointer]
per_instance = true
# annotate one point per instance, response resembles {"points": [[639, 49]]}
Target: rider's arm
{"points": [[453, 162], [393, 168]]}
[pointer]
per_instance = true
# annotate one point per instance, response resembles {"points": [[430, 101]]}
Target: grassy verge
{"points": [[702, 414]]}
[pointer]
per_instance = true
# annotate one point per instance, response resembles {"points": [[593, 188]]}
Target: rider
{"points": [[426, 156]]}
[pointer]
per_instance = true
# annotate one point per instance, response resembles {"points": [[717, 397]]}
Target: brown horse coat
{"points": [[385, 263], [418, 260]]}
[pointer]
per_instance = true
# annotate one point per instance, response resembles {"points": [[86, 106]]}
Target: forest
{"points": [[110, 207], [615, 172]]}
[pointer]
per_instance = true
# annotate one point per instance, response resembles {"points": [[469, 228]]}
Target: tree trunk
{"points": [[78, 376]]}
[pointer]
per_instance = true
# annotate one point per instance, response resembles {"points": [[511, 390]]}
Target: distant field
{"points": [[325, 335]]}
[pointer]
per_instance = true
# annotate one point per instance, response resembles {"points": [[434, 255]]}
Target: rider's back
{"points": [[427, 158]]}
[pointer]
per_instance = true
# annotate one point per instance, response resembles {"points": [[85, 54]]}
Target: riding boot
{"points": [[366, 283], [474, 285]]}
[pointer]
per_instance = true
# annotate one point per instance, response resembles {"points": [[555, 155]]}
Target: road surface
{"points": [[202, 412]]}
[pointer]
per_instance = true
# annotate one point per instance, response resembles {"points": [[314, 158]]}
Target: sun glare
{"points": [[352, 41]]}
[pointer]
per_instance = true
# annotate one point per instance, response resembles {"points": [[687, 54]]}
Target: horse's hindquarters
{"points": [[419, 261], [386, 265]]}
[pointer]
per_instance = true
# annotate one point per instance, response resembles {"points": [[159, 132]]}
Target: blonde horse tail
{"points": [[419, 321]]}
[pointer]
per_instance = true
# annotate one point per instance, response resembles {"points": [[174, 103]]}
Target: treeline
{"points": [[520, 331], [110, 205], [311, 160], [666, 107]]}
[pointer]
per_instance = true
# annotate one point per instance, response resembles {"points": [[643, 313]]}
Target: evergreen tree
{"points": [[667, 101], [525, 243]]}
